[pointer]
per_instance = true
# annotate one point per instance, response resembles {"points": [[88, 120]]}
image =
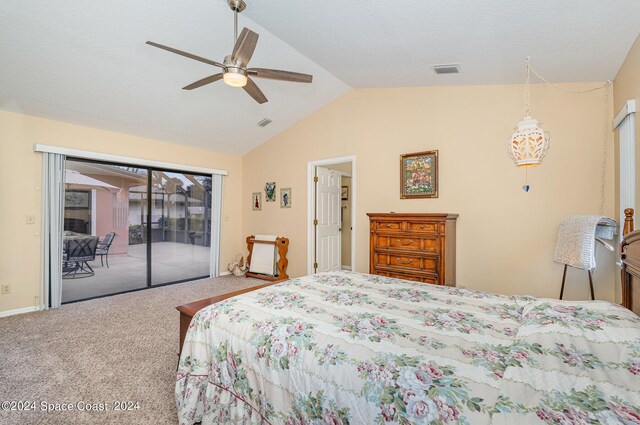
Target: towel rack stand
{"points": [[283, 247]]}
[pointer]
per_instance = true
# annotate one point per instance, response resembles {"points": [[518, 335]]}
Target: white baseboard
{"points": [[227, 273], [18, 311], [346, 267]]}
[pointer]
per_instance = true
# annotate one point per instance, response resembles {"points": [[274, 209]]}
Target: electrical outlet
{"points": [[6, 289]]}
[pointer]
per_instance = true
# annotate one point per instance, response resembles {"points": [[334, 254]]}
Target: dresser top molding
{"points": [[413, 215]]}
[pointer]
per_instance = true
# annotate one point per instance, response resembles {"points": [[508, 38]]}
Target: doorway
{"points": [[331, 211]]}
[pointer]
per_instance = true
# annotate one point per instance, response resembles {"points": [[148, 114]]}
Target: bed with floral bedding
{"points": [[350, 348]]}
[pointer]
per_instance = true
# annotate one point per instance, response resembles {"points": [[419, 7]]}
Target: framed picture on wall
{"points": [[345, 193], [77, 199], [256, 201], [270, 191], [419, 175], [285, 197]]}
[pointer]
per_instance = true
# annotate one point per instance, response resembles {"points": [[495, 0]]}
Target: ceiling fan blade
{"points": [[203, 82], [185, 54], [255, 92], [276, 74], [245, 45]]}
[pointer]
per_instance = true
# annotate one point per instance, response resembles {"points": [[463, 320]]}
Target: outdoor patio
{"points": [[171, 261]]}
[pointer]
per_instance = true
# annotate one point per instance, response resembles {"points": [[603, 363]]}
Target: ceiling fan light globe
{"points": [[234, 79]]}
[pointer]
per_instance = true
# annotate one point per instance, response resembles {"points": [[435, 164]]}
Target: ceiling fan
{"points": [[234, 67]]}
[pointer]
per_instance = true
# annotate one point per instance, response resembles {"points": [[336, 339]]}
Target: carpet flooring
{"points": [[119, 348]]}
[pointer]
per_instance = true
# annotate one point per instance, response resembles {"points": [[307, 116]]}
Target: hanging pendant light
{"points": [[530, 142]]}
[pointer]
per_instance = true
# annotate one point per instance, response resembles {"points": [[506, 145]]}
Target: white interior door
{"points": [[328, 236]]}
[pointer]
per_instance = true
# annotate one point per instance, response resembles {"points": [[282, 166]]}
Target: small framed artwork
{"points": [[256, 201], [77, 199], [285, 197], [419, 175], [270, 191], [345, 193]]}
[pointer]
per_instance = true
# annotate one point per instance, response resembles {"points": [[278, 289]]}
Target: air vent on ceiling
{"points": [[454, 68], [264, 122]]}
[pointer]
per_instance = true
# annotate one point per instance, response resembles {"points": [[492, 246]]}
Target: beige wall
{"points": [[20, 173], [626, 86], [506, 237]]}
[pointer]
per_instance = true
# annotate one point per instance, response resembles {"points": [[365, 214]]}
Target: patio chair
{"points": [[103, 247], [76, 254]]}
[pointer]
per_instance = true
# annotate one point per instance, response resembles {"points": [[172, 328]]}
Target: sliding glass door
{"points": [[128, 228], [180, 226]]}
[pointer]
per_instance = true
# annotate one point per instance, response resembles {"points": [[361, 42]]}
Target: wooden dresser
{"points": [[420, 247]]}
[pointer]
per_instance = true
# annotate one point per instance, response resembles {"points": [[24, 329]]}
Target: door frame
{"points": [[311, 235]]}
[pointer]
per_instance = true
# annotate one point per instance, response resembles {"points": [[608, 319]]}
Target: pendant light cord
{"points": [[605, 120], [527, 100], [605, 139], [555, 86]]}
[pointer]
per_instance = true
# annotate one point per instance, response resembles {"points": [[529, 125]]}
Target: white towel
{"points": [[576, 240], [607, 228], [263, 257]]}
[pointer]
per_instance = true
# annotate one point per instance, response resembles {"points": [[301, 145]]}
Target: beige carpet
{"points": [[116, 348]]}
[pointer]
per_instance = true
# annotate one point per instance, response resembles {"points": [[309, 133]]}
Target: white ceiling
{"points": [[85, 62], [382, 43]]}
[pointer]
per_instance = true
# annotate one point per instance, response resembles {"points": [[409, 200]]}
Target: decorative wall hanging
{"points": [[419, 175], [529, 144], [256, 201], [345, 193], [270, 191], [285, 197]]}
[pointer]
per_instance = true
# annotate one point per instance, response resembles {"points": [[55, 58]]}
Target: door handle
{"points": [[405, 262], [405, 244]]}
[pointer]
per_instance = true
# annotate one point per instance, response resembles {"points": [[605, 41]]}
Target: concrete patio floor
{"points": [[171, 261]]}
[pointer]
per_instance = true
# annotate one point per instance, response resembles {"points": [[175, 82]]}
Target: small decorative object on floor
{"points": [[270, 191], [238, 266], [285, 197], [419, 175]]}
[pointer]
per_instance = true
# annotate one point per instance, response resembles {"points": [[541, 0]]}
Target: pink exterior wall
{"points": [[106, 207]]}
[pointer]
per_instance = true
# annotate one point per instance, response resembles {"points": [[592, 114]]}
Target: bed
{"points": [[350, 348]]}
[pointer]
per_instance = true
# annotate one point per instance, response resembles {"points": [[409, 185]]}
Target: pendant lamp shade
{"points": [[529, 144]]}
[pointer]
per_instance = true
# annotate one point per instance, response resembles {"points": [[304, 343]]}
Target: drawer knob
{"points": [[423, 226], [405, 243], [389, 225], [407, 261]]}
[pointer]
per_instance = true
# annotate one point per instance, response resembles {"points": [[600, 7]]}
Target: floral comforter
{"points": [[350, 348]]}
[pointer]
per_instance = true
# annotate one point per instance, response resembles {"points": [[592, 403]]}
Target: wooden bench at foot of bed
{"points": [[187, 311]]}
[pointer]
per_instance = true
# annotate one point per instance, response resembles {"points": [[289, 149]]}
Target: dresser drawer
{"points": [[413, 278], [421, 226], [408, 242], [389, 226], [427, 264]]}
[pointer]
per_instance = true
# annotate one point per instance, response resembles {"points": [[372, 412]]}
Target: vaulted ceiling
{"points": [[86, 62]]}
